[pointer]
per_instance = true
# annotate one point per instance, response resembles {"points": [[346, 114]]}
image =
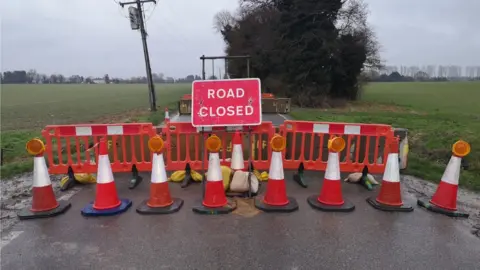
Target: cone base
{"points": [[347, 206], [299, 179], [291, 206], [380, 206], [199, 208], [231, 194], [89, 211], [425, 203], [144, 209], [26, 213]]}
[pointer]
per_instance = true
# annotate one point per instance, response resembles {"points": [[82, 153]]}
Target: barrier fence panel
{"points": [[366, 144], [185, 145], [75, 146]]}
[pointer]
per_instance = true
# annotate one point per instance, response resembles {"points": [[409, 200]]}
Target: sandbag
{"points": [[240, 182]]}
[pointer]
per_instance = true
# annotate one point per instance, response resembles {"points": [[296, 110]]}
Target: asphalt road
{"points": [[276, 119], [305, 239]]}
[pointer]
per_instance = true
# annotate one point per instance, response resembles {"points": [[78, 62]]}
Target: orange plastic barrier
{"points": [[185, 145], [307, 143], [267, 95], [75, 146]]}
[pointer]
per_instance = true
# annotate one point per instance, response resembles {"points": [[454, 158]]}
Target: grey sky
{"points": [[92, 37]]}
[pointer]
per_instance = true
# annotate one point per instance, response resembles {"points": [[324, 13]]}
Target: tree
{"points": [[61, 78], [31, 74], [106, 78], [311, 51]]}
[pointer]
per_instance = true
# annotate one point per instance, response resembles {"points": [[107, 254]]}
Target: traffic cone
{"points": [[160, 201], [167, 116], [444, 201], [237, 163], [215, 201], [106, 201], [331, 198], [275, 198], [44, 203], [390, 196]]}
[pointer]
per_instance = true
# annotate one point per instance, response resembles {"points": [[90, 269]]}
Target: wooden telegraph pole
{"points": [[137, 23]]}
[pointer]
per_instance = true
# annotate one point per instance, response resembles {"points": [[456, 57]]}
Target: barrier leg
{"points": [[298, 177], [188, 176], [71, 182], [136, 179]]}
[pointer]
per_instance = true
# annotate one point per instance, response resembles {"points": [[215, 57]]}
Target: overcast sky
{"points": [[93, 37]]}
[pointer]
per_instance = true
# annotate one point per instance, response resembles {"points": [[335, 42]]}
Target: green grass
{"points": [[436, 115], [26, 109]]}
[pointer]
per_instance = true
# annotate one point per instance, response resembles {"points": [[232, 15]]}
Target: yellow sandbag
{"points": [[177, 176], [226, 174], [85, 178], [196, 176]]}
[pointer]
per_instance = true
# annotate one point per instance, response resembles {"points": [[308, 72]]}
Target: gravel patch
{"points": [[467, 201]]}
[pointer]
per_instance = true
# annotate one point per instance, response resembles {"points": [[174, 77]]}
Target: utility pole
{"points": [[136, 20]]}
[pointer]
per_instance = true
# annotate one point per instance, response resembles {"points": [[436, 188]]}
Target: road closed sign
{"points": [[234, 102]]}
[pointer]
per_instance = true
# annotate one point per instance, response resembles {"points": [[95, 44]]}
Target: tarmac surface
{"points": [[306, 239], [276, 119]]}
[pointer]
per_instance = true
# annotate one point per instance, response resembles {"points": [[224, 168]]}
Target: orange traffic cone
{"points": [[276, 199], [390, 196], [160, 201], [444, 200], [44, 203], [331, 198], [237, 164], [215, 201], [106, 201]]}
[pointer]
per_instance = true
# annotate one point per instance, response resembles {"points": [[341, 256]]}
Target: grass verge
{"points": [[17, 161], [433, 124]]}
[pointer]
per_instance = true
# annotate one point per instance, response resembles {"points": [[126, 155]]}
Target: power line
{"points": [[138, 20]]}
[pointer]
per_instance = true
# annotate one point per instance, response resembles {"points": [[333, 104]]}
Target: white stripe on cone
{"points": [[276, 167], [214, 172], [41, 178], [159, 175], [333, 167], [104, 171], [452, 172], [237, 158], [392, 169]]}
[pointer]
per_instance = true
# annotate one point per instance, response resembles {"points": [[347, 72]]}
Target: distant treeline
{"points": [[419, 77], [32, 77]]}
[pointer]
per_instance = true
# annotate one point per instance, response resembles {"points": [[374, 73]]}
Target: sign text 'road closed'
{"points": [[235, 102]]}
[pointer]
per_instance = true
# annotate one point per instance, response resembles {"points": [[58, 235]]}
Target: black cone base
{"points": [[347, 206], [290, 207], [239, 194], [144, 209], [404, 208], [199, 208], [299, 179], [62, 207], [424, 202]]}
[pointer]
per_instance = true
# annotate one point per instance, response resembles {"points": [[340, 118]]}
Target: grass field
{"points": [[436, 115], [26, 109]]}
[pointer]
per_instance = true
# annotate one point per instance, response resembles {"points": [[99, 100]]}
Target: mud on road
{"points": [[16, 194]]}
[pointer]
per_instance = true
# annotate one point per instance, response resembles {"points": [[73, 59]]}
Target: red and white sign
{"points": [[234, 102]]}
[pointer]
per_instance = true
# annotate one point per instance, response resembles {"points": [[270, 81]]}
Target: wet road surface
{"points": [[305, 239], [276, 119]]}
